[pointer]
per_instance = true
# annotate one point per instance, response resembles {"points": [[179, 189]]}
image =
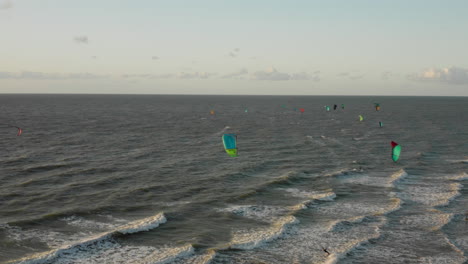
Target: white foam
{"points": [[142, 225], [314, 195], [446, 258], [258, 212], [205, 258], [430, 220], [433, 194], [459, 177], [167, 254], [87, 224], [397, 176], [71, 248], [459, 161], [249, 239]]}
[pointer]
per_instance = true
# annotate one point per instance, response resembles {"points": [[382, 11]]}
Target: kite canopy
{"points": [[230, 144], [396, 149], [20, 130]]}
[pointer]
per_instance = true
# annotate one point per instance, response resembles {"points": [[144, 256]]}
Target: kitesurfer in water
{"points": [[326, 251], [334, 107]]}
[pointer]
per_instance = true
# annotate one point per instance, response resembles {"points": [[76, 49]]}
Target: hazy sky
{"points": [[348, 47]]}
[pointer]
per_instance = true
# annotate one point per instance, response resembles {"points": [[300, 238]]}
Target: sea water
{"points": [[145, 179]]}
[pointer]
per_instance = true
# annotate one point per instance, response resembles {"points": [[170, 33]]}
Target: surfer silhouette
{"points": [[326, 251]]}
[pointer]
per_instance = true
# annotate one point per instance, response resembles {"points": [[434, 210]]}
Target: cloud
{"points": [[351, 75], [356, 77], [195, 75], [233, 53], [6, 4], [451, 75], [386, 75], [81, 39], [343, 74], [272, 74], [29, 75], [234, 75], [180, 75]]}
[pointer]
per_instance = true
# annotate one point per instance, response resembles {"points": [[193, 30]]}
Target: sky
{"points": [[296, 47]]}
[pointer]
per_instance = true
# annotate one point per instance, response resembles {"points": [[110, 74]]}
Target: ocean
{"points": [[145, 179]]}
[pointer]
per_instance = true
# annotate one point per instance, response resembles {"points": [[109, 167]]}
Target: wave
{"points": [[463, 161], [348, 247], [49, 167], [249, 239], [204, 258], [64, 250], [314, 195], [166, 255], [397, 176], [341, 172], [432, 195], [459, 177], [258, 212]]}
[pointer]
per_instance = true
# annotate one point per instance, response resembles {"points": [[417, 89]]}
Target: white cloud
{"points": [[81, 39], [194, 75], [29, 75], [353, 75], [6, 4], [452, 75], [180, 75], [273, 75], [236, 74]]}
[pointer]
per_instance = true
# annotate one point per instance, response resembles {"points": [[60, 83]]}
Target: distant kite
{"points": [[20, 130], [377, 106]]}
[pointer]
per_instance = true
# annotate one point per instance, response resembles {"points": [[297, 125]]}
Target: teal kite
{"points": [[396, 149], [230, 144]]}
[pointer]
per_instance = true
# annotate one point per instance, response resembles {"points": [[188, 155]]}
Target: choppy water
{"points": [[145, 179]]}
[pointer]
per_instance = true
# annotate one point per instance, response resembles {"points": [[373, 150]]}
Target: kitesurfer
{"points": [[326, 251]]}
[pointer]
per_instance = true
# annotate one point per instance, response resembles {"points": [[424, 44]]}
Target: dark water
{"points": [[145, 179]]}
